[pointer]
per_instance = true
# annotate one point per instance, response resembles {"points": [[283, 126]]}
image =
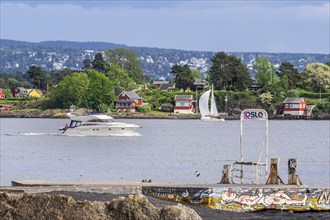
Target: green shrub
{"points": [[143, 108], [166, 107], [322, 107]]}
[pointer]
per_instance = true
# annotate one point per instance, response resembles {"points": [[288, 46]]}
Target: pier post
{"points": [[273, 177], [226, 174], [293, 178]]}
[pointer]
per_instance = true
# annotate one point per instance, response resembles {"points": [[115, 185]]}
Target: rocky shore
{"points": [[104, 206]]}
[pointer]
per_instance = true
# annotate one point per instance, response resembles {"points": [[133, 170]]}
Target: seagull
{"points": [[197, 173]]}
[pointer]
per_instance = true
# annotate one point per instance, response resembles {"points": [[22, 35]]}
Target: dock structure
{"points": [[230, 197]]}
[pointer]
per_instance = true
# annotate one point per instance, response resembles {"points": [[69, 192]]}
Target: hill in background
{"points": [[17, 56]]}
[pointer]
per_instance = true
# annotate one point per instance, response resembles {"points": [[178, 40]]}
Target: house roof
{"points": [[166, 86], [199, 82], [160, 82], [132, 95], [293, 100], [183, 97]]}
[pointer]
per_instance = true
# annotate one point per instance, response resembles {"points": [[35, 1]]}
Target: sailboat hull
{"points": [[212, 119]]}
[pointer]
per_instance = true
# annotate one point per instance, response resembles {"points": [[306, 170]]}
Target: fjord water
{"points": [[166, 151]]}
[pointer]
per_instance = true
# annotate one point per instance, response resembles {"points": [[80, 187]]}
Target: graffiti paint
{"points": [[247, 199]]}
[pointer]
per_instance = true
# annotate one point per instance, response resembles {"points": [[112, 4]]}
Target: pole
{"points": [[226, 99], [196, 101], [266, 151], [241, 147]]}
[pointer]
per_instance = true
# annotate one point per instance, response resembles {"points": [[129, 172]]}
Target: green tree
{"points": [[13, 83], [8, 93], [119, 78], [37, 77], [99, 92], [264, 72], [87, 65], [318, 76], [70, 91], [126, 59], [58, 75], [183, 77], [266, 100], [196, 74], [98, 63], [228, 72], [291, 73]]}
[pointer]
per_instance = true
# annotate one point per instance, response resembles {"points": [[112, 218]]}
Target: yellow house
{"points": [[34, 93]]}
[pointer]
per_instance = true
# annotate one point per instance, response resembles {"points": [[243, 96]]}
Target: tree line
{"points": [[102, 78]]}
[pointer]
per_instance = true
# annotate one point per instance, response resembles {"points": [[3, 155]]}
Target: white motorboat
{"points": [[98, 125]]}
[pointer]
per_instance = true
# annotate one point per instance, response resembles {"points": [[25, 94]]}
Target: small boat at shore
{"points": [[98, 124]]}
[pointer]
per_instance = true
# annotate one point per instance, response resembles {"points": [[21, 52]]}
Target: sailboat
{"points": [[209, 113]]}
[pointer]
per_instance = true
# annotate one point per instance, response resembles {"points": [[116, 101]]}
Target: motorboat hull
{"points": [[98, 125], [102, 131]]}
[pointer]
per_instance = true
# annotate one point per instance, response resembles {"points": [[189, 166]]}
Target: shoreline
{"points": [[61, 114]]}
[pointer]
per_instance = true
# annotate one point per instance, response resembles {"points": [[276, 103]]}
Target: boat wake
{"points": [[72, 135], [32, 134]]}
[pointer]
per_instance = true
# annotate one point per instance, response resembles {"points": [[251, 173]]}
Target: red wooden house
{"points": [[184, 104], [294, 106], [2, 94], [128, 101]]}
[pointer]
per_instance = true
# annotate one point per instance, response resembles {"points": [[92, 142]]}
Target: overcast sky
{"points": [[230, 26]]}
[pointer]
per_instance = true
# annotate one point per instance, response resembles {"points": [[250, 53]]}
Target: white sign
{"points": [[254, 114]]}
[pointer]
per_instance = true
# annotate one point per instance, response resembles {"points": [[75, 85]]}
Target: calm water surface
{"points": [[166, 151]]}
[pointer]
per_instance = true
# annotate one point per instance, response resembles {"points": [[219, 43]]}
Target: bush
{"points": [[322, 107], [166, 107], [143, 108]]}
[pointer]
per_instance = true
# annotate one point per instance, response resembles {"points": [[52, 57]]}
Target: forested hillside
{"points": [[156, 62]]}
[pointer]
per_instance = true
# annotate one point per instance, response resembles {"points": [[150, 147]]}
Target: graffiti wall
{"points": [[247, 199]]}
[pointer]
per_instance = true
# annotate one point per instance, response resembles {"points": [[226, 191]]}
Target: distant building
{"points": [[184, 104], [254, 86], [200, 84], [294, 106], [5, 107], [128, 101], [34, 93], [2, 94], [159, 83], [164, 85], [167, 87], [21, 92]]}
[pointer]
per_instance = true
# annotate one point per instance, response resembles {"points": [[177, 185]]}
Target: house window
{"points": [[182, 104], [286, 105]]}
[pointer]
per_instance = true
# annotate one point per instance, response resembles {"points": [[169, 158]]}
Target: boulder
{"points": [[43, 206]]}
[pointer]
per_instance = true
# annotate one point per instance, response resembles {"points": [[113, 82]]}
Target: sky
{"points": [[231, 26]]}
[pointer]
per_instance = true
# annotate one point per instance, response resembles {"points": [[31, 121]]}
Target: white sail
{"points": [[204, 103], [214, 110]]}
